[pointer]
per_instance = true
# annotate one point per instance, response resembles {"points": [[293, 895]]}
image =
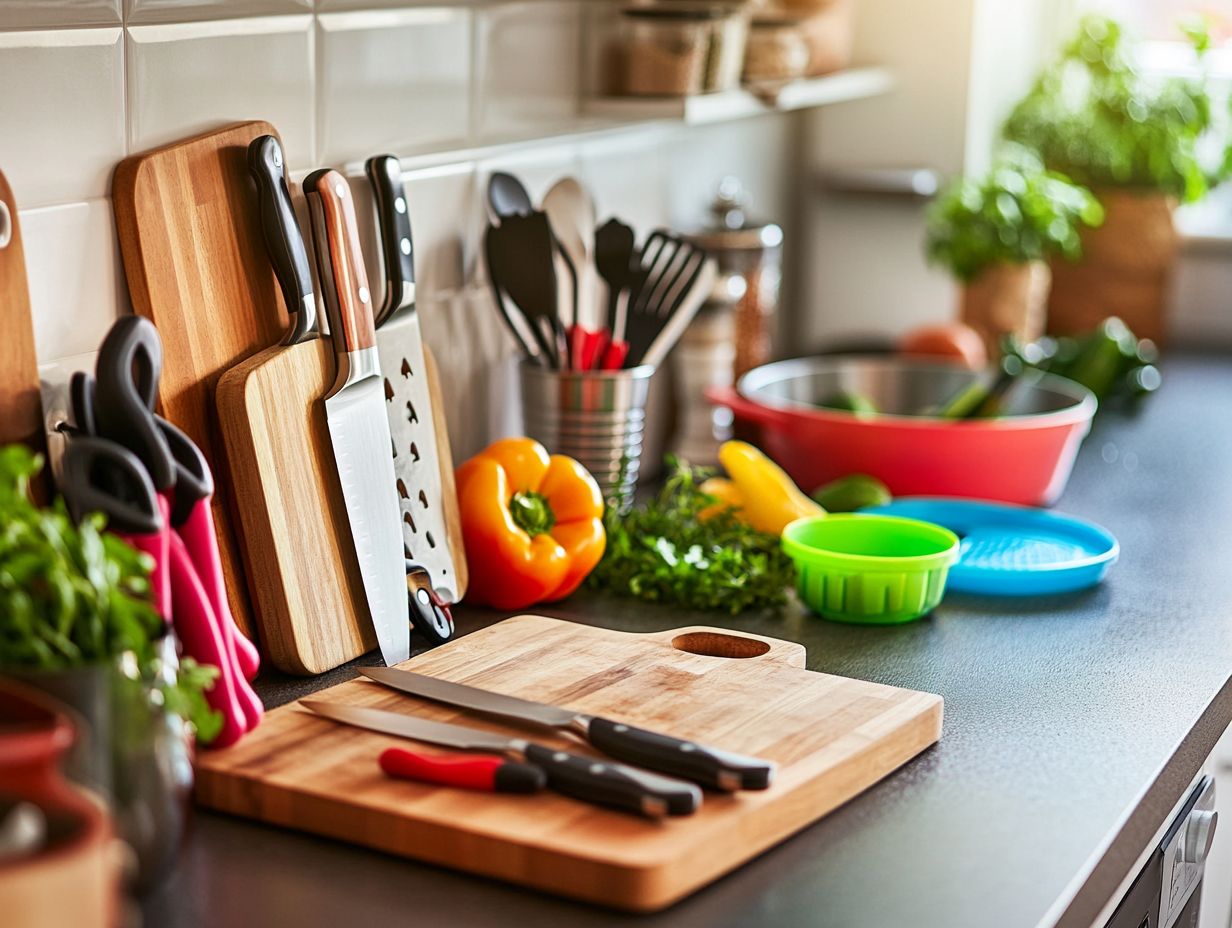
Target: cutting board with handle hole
{"points": [[307, 592], [190, 235], [831, 737], [20, 407]]}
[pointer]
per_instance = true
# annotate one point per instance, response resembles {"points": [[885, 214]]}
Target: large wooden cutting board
{"points": [[308, 595], [832, 738], [20, 407], [190, 234]]}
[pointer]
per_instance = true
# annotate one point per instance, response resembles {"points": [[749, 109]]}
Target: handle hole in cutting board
{"points": [[6, 225], [714, 644]]}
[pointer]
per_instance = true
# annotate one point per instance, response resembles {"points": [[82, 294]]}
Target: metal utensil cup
{"points": [[596, 417]]}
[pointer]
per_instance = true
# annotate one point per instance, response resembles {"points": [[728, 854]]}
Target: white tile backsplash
{"points": [[62, 109], [189, 77], [178, 11], [439, 198], [28, 14], [76, 284], [395, 80], [530, 59]]}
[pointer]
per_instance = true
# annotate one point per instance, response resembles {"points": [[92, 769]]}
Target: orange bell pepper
{"points": [[532, 524]]}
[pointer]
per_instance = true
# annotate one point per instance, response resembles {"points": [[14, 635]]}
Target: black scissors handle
{"points": [[101, 476], [129, 363]]}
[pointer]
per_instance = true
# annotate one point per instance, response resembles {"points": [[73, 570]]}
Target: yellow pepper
{"points": [[768, 499]]}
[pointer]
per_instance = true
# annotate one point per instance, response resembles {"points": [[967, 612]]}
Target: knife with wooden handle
{"points": [[355, 413], [585, 778], [689, 760]]}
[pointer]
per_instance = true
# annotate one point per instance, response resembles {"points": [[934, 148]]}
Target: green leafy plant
{"points": [[1094, 116], [664, 552], [73, 595], [1017, 212]]}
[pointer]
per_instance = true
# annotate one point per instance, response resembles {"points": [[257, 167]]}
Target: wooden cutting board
{"points": [[20, 406], [832, 738], [190, 235], [308, 596]]}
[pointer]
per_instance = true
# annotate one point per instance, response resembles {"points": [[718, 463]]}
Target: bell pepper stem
{"points": [[532, 512]]}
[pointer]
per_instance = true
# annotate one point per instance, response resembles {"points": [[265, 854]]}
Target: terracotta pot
{"points": [[829, 31], [1007, 298], [1124, 271], [74, 878]]}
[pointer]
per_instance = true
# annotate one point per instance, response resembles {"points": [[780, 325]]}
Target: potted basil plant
{"points": [[995, 234], [1136, 140], [76, 621]]}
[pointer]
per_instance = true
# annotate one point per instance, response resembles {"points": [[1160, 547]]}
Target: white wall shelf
{"points": [[703, 109]]}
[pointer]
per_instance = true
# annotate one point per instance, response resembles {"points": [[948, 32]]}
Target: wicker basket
{"points": [[1125, 268]]}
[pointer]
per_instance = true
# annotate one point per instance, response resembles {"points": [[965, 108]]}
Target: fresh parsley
{"points": [[663, 551]]}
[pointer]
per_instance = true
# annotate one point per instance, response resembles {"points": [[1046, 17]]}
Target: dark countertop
{"points": [[1073, 725]]}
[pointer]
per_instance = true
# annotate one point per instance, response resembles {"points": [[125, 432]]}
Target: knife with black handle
{"points": [[586, 778], [397, 245], [283, 240], [673, 756]]}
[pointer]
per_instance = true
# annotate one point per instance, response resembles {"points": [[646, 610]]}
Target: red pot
{"points": [[1024, 457]]}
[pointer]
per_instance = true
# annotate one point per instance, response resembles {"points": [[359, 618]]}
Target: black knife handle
{"points": [[686, 759], [394, 217], [283, 239], [609, 784]]}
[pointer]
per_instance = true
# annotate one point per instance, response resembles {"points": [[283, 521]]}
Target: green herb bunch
{"points": [[72, 595], [1018, 212], [664, 552], [1093, 115]]}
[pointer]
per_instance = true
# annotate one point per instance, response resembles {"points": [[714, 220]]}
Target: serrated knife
{"points": [[673, 756], [574, 775], [408, 404], [355, 413]]}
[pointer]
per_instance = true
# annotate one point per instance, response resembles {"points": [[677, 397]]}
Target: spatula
{"points": [[521, 260], [669, 268], [615, 243]]}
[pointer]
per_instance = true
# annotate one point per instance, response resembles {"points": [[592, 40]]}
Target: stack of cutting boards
{"points": [[831, 737], [197, 266]]}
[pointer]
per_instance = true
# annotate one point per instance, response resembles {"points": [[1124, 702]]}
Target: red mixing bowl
{"points": [[1024, 456]]}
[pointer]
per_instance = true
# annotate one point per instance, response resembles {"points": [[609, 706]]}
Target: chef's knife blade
{"points": [[573, 775], [283, 239], [687, 759], [355, 414], [425, 534]]}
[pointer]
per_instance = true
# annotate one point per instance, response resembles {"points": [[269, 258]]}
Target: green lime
{"points": [[850, 402], [855, 491]]}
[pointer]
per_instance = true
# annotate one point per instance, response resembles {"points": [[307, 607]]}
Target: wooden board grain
{"points": [[832, 738], [308, 596], [20, 407], [190, 235]]}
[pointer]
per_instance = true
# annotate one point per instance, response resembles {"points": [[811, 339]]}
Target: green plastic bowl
{"points": [[869, 569]]}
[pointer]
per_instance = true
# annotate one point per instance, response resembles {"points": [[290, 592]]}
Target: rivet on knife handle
{"points": [[351, 323], [393, 214], [593, 780], [283, 240], [689, 760]]}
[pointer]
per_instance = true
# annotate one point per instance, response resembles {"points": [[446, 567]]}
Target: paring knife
{"points": [[483, 773], [687, 759], [408, 397], [574, 775], [355, 413]]}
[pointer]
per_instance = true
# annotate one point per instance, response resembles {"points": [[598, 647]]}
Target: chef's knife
{"points": [[283, 240], [687, 759], [355, 413], [573, 775], [481, 772], [425, 534]]}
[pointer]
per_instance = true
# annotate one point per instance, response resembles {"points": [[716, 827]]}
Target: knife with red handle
{"points": [[482, 772]]}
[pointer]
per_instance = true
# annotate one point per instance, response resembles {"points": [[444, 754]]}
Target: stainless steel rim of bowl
{"points": [[757, 387]]}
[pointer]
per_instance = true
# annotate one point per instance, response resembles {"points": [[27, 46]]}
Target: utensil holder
{"points": [[596, 417]]}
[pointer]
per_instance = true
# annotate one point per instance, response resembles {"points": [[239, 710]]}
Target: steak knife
{"points": [[355, 414], [399, 343], [574, 775], [686, 759]]}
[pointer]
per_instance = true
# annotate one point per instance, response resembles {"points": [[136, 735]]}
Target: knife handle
{"points": [[686, 759], [482, 772], [609, 784], [351, 322], [283, 240], [394, 218]]}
